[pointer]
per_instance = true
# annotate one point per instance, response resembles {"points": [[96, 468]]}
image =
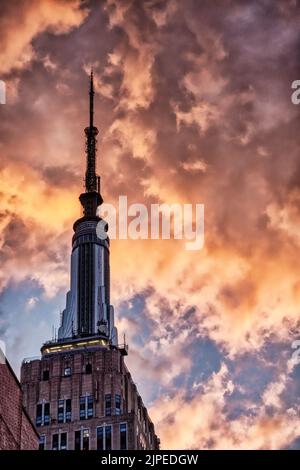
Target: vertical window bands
{"points": [[59, 441], [42, 414], [64, 411], [104, 437], [82, 439], [107, 405], [86, 283], [86, 407], [85, 439], [118, 404], [42, 442]]}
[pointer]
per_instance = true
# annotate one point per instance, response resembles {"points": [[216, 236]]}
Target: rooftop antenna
{"points": [[92, 99], [91, 181]]}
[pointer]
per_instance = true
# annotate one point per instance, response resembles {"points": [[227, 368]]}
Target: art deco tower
{"points": [[80, 394], [88, 310]]}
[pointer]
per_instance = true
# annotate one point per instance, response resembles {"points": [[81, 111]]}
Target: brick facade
{"points": [[16, 430], [96, 373]]}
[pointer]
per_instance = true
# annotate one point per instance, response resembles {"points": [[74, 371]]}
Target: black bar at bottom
{"points": [[149, 459]]}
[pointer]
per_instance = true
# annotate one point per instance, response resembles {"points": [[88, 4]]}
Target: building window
{"points": [[90, 407], [61, 411], [46, 414], [118, 404], [63, 441], [82, 439], [82, 402], [100, 438], [59, 441], [39, 415], [64, 411], [104, 438], [86, 407], [123, 436], [68, 410], [67, 371], [85, 439], [42, 442], [108, 437], [46, 375], [77, 440], [88, 369], [107, 405], [43, 414], [55, 439]]}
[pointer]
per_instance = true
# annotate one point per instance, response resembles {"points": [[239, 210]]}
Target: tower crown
{"points": [[88, 311]]}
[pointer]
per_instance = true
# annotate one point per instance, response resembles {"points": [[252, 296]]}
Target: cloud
{"points": [[202, 422], [134, 55], [31, 219], [21, 23]]}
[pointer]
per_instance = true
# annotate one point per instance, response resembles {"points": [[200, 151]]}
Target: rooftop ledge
{"points": [[69, 344], [72, 344]]}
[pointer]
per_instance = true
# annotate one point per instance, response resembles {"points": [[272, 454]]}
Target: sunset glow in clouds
{"points": [[193, 104]]}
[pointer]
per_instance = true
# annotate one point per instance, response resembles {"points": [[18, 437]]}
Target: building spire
{"points": [[92, 99], [91, 179]]}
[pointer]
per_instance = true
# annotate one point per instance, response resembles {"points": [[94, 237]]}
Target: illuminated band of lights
{"points": [[74, 345]]}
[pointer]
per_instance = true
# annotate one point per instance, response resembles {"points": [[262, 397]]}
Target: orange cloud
{"points": [[201, 423], [20, 23]]}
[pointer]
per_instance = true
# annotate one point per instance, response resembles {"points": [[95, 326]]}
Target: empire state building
{"points": [[88, 310], [79, 393]]}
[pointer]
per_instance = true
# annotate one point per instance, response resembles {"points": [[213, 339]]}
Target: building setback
{"points": [[16, 429], [86, 399], [80, 393]]}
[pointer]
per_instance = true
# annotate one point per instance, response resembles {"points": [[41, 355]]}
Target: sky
{"points": [[193, 104]]}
